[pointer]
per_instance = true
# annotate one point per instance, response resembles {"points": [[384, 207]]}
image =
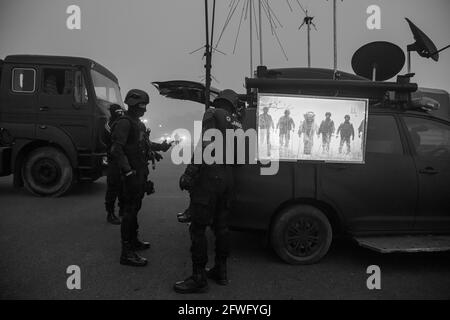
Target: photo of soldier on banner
{"points": [[292, 128]]}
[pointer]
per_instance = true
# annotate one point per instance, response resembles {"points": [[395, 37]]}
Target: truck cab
{"points": [[55, 109]]}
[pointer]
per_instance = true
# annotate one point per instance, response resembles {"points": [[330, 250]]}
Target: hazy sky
{"points": [[149, 40]]}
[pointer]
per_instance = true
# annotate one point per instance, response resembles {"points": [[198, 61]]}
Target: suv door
{"points": [[380, 195], [430, 140], [63, 103]]}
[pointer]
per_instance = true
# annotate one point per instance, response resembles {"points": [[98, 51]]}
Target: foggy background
{"points": [[143, 41]]}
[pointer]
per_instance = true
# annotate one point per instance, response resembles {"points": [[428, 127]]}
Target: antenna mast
{"points": [[261, 60], [335, 37], [250, 4], [253, 11], [208, 51], [308, 22]]}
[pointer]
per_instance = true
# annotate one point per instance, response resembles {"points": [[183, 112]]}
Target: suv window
{"points": [[383, 135], [23, 80], [57, 82], [430, 138]]}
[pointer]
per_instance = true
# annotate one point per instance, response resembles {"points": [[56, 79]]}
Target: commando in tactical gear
{"points": [[346, 132], [211, 189], [114, 188], [130, 149], [285, 125], [326, 129]]}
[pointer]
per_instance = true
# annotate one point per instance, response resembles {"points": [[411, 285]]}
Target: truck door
{"points": [[380, 195], [63, 104], [18, 100], [430, 140]]}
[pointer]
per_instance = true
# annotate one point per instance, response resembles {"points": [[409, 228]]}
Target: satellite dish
{"points": [[378, 60], [423, 45]]}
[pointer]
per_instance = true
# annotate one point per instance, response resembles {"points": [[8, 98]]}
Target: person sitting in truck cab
{"points": [[50, 86]]}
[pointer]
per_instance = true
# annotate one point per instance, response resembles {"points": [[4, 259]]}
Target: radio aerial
{"points": [[308, 21]]}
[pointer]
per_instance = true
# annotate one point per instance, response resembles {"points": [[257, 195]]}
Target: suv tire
{"points": [[301, 234]]}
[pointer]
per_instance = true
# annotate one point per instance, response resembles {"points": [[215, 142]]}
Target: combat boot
{"points": [[197, 283], [219, 272], [111, 218], [139, 245], [131, 258]]}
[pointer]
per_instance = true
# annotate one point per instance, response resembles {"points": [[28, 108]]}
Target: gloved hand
{"points": [[158, 157], [165, 146], [186, 182], [149, 187]]}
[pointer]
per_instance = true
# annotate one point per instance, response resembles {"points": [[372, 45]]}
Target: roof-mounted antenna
{"points": [[308, 21], [423, 45], [253, 12], [209, 49], [335, 37]]}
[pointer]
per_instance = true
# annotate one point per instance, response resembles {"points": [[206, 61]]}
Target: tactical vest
{"points": [[223, 121], [136, 148]]}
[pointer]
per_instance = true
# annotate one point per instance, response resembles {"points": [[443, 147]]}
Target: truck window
{"points": [[383, 135], [80, 92], [23, 80], [106, 89], [57, 82], [430, 138]]}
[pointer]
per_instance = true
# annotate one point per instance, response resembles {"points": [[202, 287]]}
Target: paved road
{"points": [[40, 238]]}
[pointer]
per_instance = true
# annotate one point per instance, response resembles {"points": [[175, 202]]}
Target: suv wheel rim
{"points": [[303, 237]]}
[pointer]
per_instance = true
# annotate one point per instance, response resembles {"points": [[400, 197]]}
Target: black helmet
{"points": [[347, 117], [114, 108], [135, 97], [328, 114], [229, 96]]}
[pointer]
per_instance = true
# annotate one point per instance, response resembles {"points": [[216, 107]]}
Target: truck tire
{"points": [[301, 234], [47, 172]]}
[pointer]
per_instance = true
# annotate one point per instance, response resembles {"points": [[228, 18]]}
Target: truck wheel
{"points": [[301, 234], [47, 172]]}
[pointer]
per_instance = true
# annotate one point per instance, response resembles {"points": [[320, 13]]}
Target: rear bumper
{"points": [[5, 161]]}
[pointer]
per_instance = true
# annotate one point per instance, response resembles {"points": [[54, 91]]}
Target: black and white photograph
{"points": [[224, 158], [294, 128]]}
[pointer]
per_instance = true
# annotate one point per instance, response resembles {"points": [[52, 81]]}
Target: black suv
{"points": [[401, 189]]}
